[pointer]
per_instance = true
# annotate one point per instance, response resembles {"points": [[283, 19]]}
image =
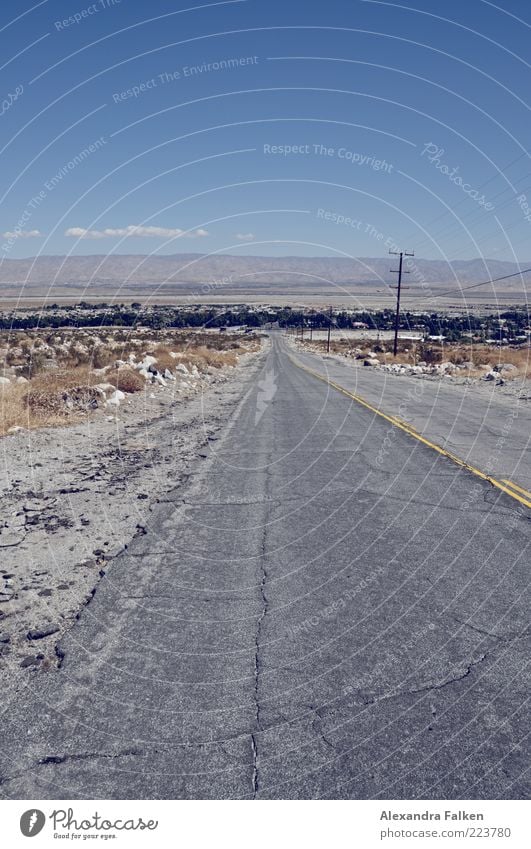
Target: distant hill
{"points": [[248, 271]]}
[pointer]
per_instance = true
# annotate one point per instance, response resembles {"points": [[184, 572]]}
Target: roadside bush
{"points": [[128, 380], [164, 358]]}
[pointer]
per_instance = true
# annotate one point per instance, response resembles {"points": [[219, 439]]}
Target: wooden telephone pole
{"points": [[398, 271], [329, 329]]}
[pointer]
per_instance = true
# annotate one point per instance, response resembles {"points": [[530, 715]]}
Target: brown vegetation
{"points": [[127, 380], [61, 367], [412, 353]]}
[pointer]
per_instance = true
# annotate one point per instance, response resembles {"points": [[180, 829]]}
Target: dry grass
{"points": [[204, 357], [477, 356], [164, 357], [41, 403], [200, 356], [63, 379], [20, 407], [60, 367], [411, 353], [127, 379]]}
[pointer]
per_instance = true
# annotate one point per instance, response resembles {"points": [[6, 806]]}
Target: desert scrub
{"points": [[164, 358], [50, 399], [127, 380]]}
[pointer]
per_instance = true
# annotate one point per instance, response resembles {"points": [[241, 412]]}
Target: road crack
{"points": [[257, 663], [427, 688]]}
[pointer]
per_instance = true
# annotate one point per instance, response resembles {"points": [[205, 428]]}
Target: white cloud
{"points": [[22, 234], [135, 230], [245, 237]]}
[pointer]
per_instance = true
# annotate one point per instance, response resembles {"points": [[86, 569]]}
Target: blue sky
{"points": [[335, 128]]}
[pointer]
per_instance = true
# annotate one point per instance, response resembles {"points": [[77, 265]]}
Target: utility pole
{"points": [[398, 271], [329, 328]]}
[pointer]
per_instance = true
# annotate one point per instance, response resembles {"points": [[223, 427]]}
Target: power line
{"points": [[500, 172], [476, 285], [454, 228]]}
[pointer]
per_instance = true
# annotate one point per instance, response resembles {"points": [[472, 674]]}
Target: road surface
{"points": [[330, 609], [490, 431]]}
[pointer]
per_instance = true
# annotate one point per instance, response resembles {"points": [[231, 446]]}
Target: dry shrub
{"points": [[63, 379], [43, 402], [13, 411], [164, 358], [480, 355], [206, 357], [190, 355], [102, 357], [61, 393], [44, 410], [128, 380]]}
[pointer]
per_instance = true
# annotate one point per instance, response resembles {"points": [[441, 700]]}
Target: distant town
{"points": [[510, 327]]}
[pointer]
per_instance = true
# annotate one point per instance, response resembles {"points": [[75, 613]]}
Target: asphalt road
{"points": [[483, 427], [330, 609]]}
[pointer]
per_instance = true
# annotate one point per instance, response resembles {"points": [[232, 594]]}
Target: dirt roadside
{"points": [[72, 498]]}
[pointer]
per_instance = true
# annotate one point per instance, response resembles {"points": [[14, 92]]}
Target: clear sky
{"points": [[266, 127]]}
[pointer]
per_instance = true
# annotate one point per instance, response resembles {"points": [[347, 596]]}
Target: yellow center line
{"points": [[518, 488], [396, 422]]}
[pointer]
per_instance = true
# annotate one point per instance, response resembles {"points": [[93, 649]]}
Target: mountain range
{"points": [[252, 272]]}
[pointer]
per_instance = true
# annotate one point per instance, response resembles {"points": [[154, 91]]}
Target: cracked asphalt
{"points": [[487, 429], [318, 613]]}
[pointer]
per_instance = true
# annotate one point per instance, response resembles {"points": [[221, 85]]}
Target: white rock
{"points": [[147, 362], [15, 429], [4, 381], [182, 368], [106, 388], [22, 380], [115, 398]]}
